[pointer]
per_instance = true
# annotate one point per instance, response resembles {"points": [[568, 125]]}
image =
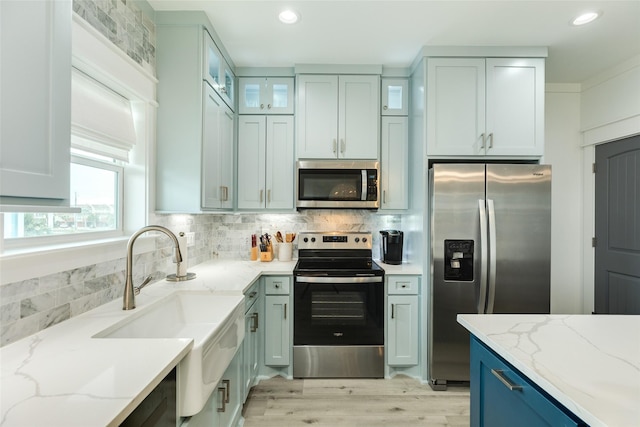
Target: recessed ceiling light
{"points": [[288, 16], [585, 18]]}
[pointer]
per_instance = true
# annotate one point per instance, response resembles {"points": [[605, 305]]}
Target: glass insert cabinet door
{"points": [[217, 72], [266, 95], [395, 97]]}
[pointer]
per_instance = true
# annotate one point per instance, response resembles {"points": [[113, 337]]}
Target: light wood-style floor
{"points": [[400, 401]]}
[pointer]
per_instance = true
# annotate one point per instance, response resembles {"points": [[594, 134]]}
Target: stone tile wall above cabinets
{"points": [[125, 25]]}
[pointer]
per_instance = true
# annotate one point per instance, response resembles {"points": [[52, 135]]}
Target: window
{"points": [[102, 135], [96, 188]]}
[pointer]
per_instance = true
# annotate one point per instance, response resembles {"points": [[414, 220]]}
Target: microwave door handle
{"points": [[363, 190]]}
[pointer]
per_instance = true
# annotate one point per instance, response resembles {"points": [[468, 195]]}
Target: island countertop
{"points": [[588, 363]]}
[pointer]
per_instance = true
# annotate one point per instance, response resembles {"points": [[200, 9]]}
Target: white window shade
{"points": [[101, 120]]}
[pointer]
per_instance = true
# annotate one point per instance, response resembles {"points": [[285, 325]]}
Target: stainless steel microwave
{"points": [[337, 184]]}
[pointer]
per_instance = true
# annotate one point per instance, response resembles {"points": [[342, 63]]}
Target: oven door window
{"points": [[338, 314], [331, 184]]}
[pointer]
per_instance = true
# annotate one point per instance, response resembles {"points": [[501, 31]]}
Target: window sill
{"points": [[27, 263]]}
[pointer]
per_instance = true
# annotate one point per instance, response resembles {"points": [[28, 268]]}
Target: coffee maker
{"points": [[391, 246]]}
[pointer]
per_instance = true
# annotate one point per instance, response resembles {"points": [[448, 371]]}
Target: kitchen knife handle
{"points": [[482, 297]]}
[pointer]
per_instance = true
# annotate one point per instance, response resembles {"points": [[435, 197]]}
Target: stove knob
{"points": [[313, 239], [306, 239], [364, 240], [357, 239]]}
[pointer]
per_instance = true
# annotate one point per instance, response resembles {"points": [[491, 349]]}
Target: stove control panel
{"points": [[334, 240]]}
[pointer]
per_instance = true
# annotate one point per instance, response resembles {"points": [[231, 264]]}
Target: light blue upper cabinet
{"points": [[217, 72], [395, 97], [195, 125], [265, 95], [338, 116], [35, 82]]}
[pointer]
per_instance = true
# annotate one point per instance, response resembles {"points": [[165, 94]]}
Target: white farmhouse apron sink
{"points": [[214, 322]]}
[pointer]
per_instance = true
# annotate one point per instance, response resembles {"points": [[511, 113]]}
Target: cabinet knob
{"points": [[384, 107], [269, 106], [262, 106]]}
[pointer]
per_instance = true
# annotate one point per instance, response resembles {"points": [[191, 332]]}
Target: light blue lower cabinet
{"points": [[277, 320], [502, 396], [224, 407], [277, 339], [251, 347], [402, 329], [402, 320]]}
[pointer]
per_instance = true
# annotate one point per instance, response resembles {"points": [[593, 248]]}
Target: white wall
{"points": [[563, 151]]}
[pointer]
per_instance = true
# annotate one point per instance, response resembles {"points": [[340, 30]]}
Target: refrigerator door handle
{"points": [[492, 257], [482, 296]]}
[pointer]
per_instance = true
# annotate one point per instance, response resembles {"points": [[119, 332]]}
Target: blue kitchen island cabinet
{"points": [[502, 396]]}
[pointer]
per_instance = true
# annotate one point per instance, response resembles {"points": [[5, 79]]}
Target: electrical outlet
{"points": [[191, 238]]}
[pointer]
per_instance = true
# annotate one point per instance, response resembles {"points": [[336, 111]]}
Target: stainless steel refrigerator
{"points": [[490, 253]]}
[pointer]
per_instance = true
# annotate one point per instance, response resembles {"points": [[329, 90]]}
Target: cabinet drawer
{"points": [[502, 396], [277, 285], [403, 285]]}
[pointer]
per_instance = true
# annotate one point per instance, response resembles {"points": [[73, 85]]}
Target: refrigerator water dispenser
{"points": [[458, 260]]}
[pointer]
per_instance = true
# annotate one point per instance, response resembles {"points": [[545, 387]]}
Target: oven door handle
{"points": [[334, 279]]}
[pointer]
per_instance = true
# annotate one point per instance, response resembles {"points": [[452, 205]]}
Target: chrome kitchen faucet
{"points": [[128, 299]]}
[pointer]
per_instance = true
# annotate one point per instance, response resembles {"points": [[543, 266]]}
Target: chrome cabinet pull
{"points": [[285, 311], [227, 384], [224, 403], [483, 140], [268, 196], [254, 323], [491, 140], [261, 194], [335, 145], [393, 311], [343, 146], [499, 374], [384, 197]]}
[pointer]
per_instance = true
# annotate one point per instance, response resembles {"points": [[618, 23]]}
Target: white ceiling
{"points": [[391, 33]]}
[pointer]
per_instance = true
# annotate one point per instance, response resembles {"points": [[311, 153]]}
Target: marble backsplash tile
{"points": [[31, 305]]}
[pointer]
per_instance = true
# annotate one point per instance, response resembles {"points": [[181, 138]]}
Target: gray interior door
{"points": [[617, 216]]}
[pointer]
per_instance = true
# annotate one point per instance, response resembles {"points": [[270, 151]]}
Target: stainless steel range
{"points": [[338, 307]]}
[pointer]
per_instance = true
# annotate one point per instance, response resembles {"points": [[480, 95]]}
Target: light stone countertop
{"points": [[61, 376], [589, 363]]}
